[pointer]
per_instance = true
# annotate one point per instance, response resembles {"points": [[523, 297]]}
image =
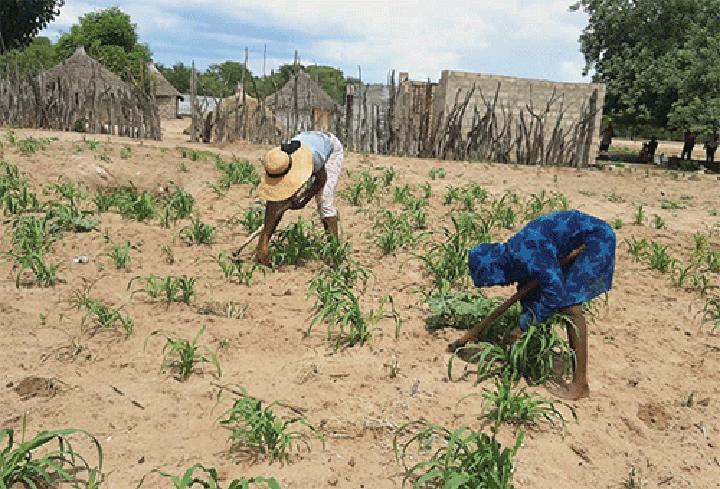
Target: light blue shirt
{"points": [[319, 144]]}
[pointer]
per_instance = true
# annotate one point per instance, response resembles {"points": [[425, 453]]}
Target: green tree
{"points": [[179, 76], [21, 20], [330, 79], [110, 37], [659, 59], [38, 56]]}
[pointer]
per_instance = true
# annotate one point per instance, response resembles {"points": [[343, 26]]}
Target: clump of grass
{"points": [[197, 232], [252, 219], [533, 357], [91, 144], [168, 254], [393, 232], [120, 255], [501, 405], [98, 315], [436, 173], [177, 206], [638, 248], [388, 176], [256, 427], [183, 356], [200, 476], [170, 288], [45, 273], [35, 463], [464, 459]]}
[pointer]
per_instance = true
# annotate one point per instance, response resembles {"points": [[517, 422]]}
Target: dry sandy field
{"points": [[653, 418]]}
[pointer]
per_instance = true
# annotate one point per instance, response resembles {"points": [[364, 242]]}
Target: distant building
{"points": [[302, 105], [167, 97]]}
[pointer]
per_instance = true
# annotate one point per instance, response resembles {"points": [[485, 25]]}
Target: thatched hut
{"points": [[83, 69], [167, 97], [303, 105]]}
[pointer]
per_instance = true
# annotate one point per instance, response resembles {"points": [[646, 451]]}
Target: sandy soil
{"points": [[648, 351]]}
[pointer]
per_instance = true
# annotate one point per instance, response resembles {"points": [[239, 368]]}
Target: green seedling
{"points": [[228, 310], [169, 288], [388, 176], [256, 427], [177, 206], [91, 144], [658, 257], [46, 274], [237, 173], [464, 458], [617, 223], [711, 313], [639, 216], [32, 235], [32, 145], [98, 315], [680, 274], [207, 478], [36, 464], [242, 272], [253, 219], [120, 255], [197, 232], [295, 244], [436, 173], [658, 222], [183, 356], [125, 152], [501, 405], [393, 232], [701, 283], [638, 249], [168, 254], [671, 205]]}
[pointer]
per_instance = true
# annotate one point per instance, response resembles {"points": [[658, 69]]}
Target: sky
{"points": [[525, 38]]}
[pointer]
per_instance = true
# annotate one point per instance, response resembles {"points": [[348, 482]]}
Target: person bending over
{"points": [[307, 166], [534, 253]]}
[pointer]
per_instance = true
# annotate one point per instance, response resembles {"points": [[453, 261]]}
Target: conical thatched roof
{"points": [[310, 95], [163, 88], [83, 68]]}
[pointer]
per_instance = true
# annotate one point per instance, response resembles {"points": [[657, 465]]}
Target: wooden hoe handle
{"points": [[520, 294], [249, 240]]}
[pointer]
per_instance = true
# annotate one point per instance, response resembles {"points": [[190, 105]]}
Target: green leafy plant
{"points": [[658, 222], [295, 244], [197, 232], [638, 248], [207, 478], [393, 232], [125, 152], [91, 144], [464, 459], [242, 272], [237, 173], [658, 257], [671, 204], [32, 235], [253, 219], [35, 464], [501, 405], [256, 427], [169, 288], [177, 206], [388, 176], [183, 356], [45, 273], [168, 255], [436, 173], [31, 145], [617, 223], [98, 315], [639, 216]]}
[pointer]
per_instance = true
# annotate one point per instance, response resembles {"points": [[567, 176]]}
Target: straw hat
{"points": [[285, 174]]}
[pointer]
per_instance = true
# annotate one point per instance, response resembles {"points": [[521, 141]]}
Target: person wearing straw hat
{"points": [[307, 166]]}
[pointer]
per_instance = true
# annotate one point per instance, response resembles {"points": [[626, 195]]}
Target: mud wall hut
{"points": [[167, 97]]}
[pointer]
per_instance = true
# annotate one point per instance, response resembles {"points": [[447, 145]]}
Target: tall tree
{"points": [[21, 20], [110, 37], [38, 56], [659, 59], [178, 75]]}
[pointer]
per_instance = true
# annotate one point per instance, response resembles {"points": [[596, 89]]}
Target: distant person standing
{"points": [[652, 146], [689, 145], [711, 145], [606, 139]]}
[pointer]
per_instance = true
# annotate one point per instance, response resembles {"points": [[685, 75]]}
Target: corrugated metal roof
{"points": [[206, 103]]}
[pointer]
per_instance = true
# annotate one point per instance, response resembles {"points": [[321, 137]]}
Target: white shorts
{"points": [[333, 168]]}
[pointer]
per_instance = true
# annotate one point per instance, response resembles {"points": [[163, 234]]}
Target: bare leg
{"points": [[273, 214], [331, 226], [577, 337]]}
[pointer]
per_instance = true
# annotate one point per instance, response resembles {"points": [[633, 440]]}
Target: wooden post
{"points": [[193, 93]]}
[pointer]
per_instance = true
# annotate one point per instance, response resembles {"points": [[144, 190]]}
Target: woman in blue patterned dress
{"points": [[534, 253]]}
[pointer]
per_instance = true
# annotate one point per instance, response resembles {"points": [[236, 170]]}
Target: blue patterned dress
{"points": [[535, 253]]}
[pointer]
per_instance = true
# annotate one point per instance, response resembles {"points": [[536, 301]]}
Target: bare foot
{"points": [[570, 392], [515, 335]]}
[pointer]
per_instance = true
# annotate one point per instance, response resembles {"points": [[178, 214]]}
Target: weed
{"points": [[199, 475], [197, 232], [91, 144], [125, 152], [228, 310], [436, 173], [22, 466], [32, 145], [617, 223], [258, 428], [615, 198], [171, 289], [183, 356], [670, 204], [465, 458]]}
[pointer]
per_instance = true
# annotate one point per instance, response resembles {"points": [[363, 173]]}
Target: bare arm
{"points": [[300, 201]]}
